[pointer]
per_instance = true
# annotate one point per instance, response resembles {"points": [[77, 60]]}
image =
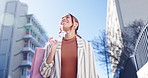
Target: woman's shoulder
{"points": [[85, 42]]}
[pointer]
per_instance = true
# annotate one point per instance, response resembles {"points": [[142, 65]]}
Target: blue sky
{"points": [[90, 13]]}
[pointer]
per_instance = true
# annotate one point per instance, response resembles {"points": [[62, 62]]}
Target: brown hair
{"points": [[74, 19]]}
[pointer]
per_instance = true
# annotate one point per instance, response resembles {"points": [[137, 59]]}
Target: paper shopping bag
{"points": [[36, 63]]}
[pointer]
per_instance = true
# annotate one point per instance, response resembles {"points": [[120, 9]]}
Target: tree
{"points": [[130, 35], [101, 48]]}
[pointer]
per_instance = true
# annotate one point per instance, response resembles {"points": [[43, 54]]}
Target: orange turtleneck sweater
{"points": [[69, 58]]}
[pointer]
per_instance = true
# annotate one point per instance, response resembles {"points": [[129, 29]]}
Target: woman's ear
{"points": [[76, 25]]}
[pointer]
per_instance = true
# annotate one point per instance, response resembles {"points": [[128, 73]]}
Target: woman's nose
{"points": [[63, 20]]}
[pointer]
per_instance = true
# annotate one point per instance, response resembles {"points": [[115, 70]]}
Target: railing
{"points": [[34, 40], [141, 49], [28, 49], [26, 62]]}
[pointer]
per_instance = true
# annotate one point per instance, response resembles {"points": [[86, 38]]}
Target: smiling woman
{"points": [[70, 57], [91, 15]]}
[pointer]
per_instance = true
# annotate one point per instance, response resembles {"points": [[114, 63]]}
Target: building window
{"points": [[28, 20], [23, 71], [26, 44], [31, 31], [27, 31], [30, 44], [34, 35], [28, 72], [25, 56], [30, 57]]}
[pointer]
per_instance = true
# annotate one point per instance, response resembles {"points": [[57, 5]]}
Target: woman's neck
{"points": [[69, 35]]}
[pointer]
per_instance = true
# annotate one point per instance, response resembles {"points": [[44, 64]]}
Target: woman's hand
{"points": [[53, 46]]}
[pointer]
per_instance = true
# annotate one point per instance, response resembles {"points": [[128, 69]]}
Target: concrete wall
{"points": [[13, 44], [19, 11]]}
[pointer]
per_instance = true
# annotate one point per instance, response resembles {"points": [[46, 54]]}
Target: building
{"points": [[19, 40], [137, 64], [121, 13], [113, 29], [34, 37]]}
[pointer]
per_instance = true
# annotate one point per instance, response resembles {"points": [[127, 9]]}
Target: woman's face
{"points": [[66, 22]]}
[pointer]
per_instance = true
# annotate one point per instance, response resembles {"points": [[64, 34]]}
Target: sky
{"points": [[91, 15]]}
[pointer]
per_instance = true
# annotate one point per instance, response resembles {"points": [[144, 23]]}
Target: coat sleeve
{"points": [[93, 71], [46, 69]]}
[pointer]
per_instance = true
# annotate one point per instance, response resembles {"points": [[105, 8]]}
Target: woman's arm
{"points": [[92, 66], [47, 65], [93, 70]]}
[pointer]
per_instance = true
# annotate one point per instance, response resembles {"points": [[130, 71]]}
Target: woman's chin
{"points": [[66, 28]]}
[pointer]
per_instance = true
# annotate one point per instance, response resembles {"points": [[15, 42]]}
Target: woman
{"points": [[70, 57]]}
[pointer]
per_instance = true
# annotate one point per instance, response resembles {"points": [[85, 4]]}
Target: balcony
{"points": [[36, 30], [28, 25], [27, 50], [26, 63], [32, 39]]}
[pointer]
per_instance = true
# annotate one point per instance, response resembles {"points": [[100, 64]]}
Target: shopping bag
{"points": [[36, 63]]}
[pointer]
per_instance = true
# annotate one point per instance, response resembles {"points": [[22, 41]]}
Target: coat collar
{"points": [[79, 42]]}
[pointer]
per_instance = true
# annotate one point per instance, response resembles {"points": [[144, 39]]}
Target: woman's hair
{"points": [[73, 19]]}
